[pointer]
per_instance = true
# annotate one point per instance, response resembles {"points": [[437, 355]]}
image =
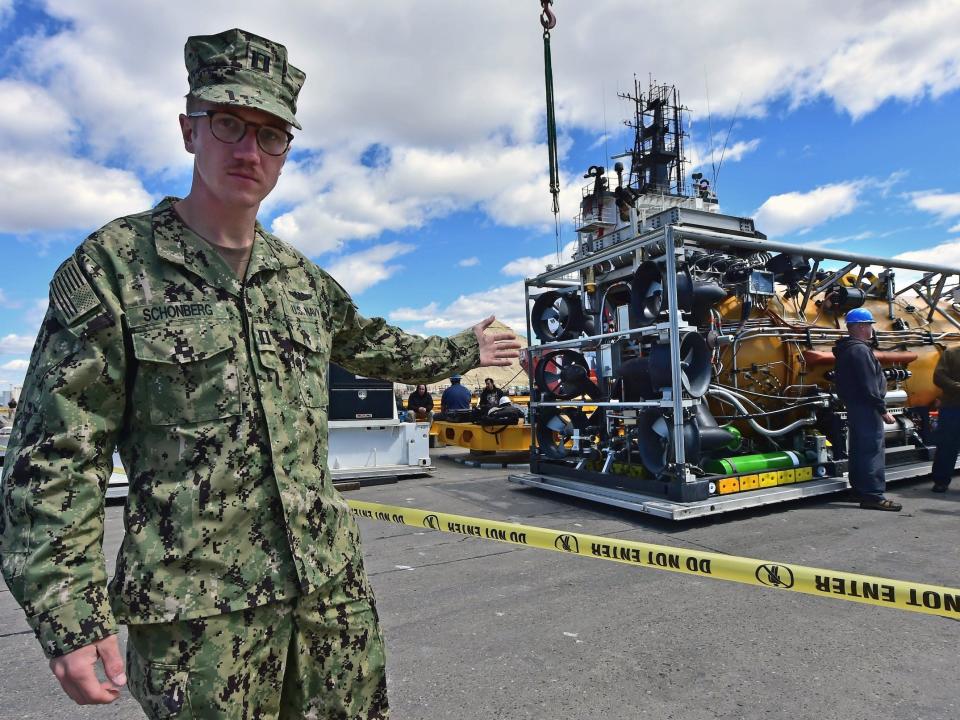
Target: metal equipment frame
{"points": [[670, 232]]}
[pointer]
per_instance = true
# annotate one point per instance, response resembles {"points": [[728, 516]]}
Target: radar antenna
{"points": [[657, 159]]}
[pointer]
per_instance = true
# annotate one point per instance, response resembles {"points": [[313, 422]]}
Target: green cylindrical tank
{"points": [[761, 462]]}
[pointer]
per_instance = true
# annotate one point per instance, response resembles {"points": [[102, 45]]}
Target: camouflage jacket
{"points": [[215, 392]]}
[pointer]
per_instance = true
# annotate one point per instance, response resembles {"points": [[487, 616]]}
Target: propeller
{"points": [[556, 427], [646, 296], [557, 316], [695, 370], [565, 374], [648, 292], [655, 440]]}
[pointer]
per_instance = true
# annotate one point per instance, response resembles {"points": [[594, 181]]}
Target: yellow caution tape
{"points": [[900, 594]]}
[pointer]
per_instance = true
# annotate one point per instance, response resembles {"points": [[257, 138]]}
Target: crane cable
{"points": [[549, 21]]}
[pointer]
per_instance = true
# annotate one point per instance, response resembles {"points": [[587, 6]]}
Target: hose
{"points": [[733, 400]]}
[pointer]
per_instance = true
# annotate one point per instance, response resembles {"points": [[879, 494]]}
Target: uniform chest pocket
{"points": [[311, 343], [187, 373]]}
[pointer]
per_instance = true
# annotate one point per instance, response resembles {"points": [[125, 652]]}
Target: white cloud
{"points": [[885, 186], [45, 193], [504, 301], [445, 87], [361, 270], [944, 205], [325, 223], [526, 267], [31, 118], [119, 84], [702, 157], [461, 115], [417, 185], [793, 211], [16, 344], [469, 262], [46, 188], [450, 87], [736, 152], [16, 365], [903, 55], [945, 254], [409, 314], [601, 140], [857, 53]]}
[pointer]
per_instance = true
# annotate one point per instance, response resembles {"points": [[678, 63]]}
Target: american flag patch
{"points": [[70, 292]]}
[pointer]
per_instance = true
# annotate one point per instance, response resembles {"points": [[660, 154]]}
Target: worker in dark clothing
{"points": [[490, 395], [420, 405], [947, 378], [455, 397], [861, 386]]}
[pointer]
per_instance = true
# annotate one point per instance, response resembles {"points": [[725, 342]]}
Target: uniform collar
{"points": [[177, 243], [269, 253]]}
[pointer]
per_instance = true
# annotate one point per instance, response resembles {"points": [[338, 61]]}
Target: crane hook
{"points": [[547, 18]]}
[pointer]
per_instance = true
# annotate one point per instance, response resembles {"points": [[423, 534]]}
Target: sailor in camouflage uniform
{"points": [[198, 344]]}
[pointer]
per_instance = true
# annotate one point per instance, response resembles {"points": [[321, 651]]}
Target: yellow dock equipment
{"points": [[435, 440], [483, 438]]}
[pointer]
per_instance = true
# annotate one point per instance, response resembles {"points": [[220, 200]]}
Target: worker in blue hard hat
{"points": [[862, 386], [860, 316]]}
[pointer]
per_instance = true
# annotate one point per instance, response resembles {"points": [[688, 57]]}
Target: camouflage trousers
{"points": [[316, 657]]}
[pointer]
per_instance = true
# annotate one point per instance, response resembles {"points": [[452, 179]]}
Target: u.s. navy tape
{"points": [[900, 594]]}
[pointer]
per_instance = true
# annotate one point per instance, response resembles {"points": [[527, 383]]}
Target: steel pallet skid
{"points": [[660, 507]]}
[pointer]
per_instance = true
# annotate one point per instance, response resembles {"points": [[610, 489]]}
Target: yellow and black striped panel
{"points": [[755, 481]]}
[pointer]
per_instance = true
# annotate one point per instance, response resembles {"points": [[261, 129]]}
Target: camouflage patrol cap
{"points": [[236, 67]]}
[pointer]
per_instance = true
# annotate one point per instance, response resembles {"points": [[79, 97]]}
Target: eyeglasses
{"points": [[230, 129]]}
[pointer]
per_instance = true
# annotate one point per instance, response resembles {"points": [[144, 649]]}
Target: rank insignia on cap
{"points": [[259, 61], [70, 292], [237, 67]]}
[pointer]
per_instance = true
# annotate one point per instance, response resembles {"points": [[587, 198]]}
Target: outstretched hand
{"points": [[78, 677], [500, 348]]}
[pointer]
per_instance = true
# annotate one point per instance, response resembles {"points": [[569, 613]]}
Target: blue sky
{"points": [[420, 177]]}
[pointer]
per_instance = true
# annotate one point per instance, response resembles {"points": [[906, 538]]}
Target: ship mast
{"points": [[656, 160]]}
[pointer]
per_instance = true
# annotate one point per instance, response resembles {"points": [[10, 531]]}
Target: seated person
{"points": [[503, 413], [455, 397], [420, 405], [490, 396]]}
